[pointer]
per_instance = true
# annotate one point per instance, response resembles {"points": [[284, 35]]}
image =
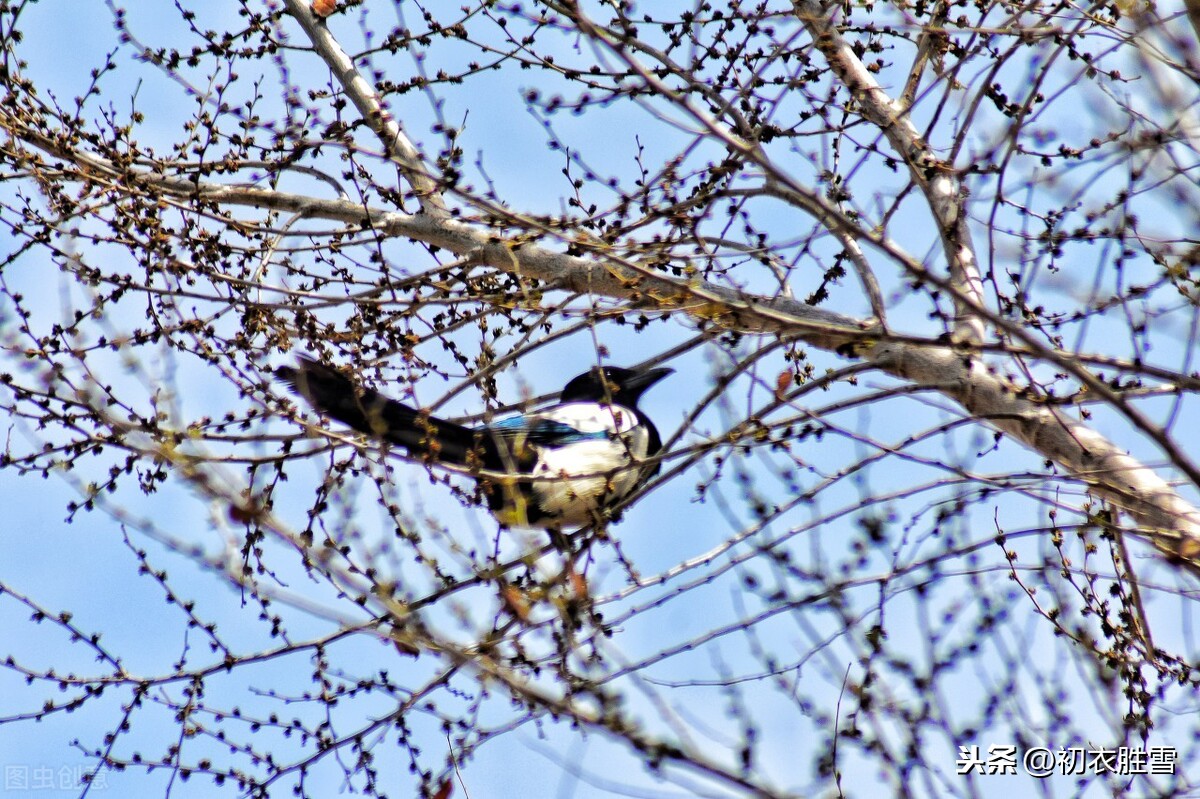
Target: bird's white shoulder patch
{"points": [[591, 417]]}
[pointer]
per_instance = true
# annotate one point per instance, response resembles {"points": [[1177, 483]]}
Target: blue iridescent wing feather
{"points": [[541, 431]]}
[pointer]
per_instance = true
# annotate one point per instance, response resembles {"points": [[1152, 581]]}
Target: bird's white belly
{"points": [[606, 474]]}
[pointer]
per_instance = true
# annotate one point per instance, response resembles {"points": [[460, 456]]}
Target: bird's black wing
{"points": [[368, 411]]}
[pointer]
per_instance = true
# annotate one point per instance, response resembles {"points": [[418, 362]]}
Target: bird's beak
{"points": [[643, 380]]}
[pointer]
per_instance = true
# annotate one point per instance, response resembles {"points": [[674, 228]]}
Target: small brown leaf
{"points": [[578, 583], [516, 601], [781, 384]]}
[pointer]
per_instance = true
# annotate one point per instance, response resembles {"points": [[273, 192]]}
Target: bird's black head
{"points": [[612, 384]]}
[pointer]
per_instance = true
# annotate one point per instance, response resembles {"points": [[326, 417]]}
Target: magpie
{"points": [[558, 467]]}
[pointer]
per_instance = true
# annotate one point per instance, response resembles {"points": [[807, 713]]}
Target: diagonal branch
{"points": [[938, 179], [397, 145]]}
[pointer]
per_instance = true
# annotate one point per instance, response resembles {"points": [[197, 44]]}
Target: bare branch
{"points": [[397, 145], [938, 179]]}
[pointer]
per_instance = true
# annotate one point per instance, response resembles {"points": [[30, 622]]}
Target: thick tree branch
{"points": [[938, 179], [397, 145], [1160, 514]]}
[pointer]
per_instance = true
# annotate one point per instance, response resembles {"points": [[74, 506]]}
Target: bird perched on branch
{"points": [[558, 467]]}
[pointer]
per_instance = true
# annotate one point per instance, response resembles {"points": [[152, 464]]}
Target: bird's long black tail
{"points": [[370, 412]]}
